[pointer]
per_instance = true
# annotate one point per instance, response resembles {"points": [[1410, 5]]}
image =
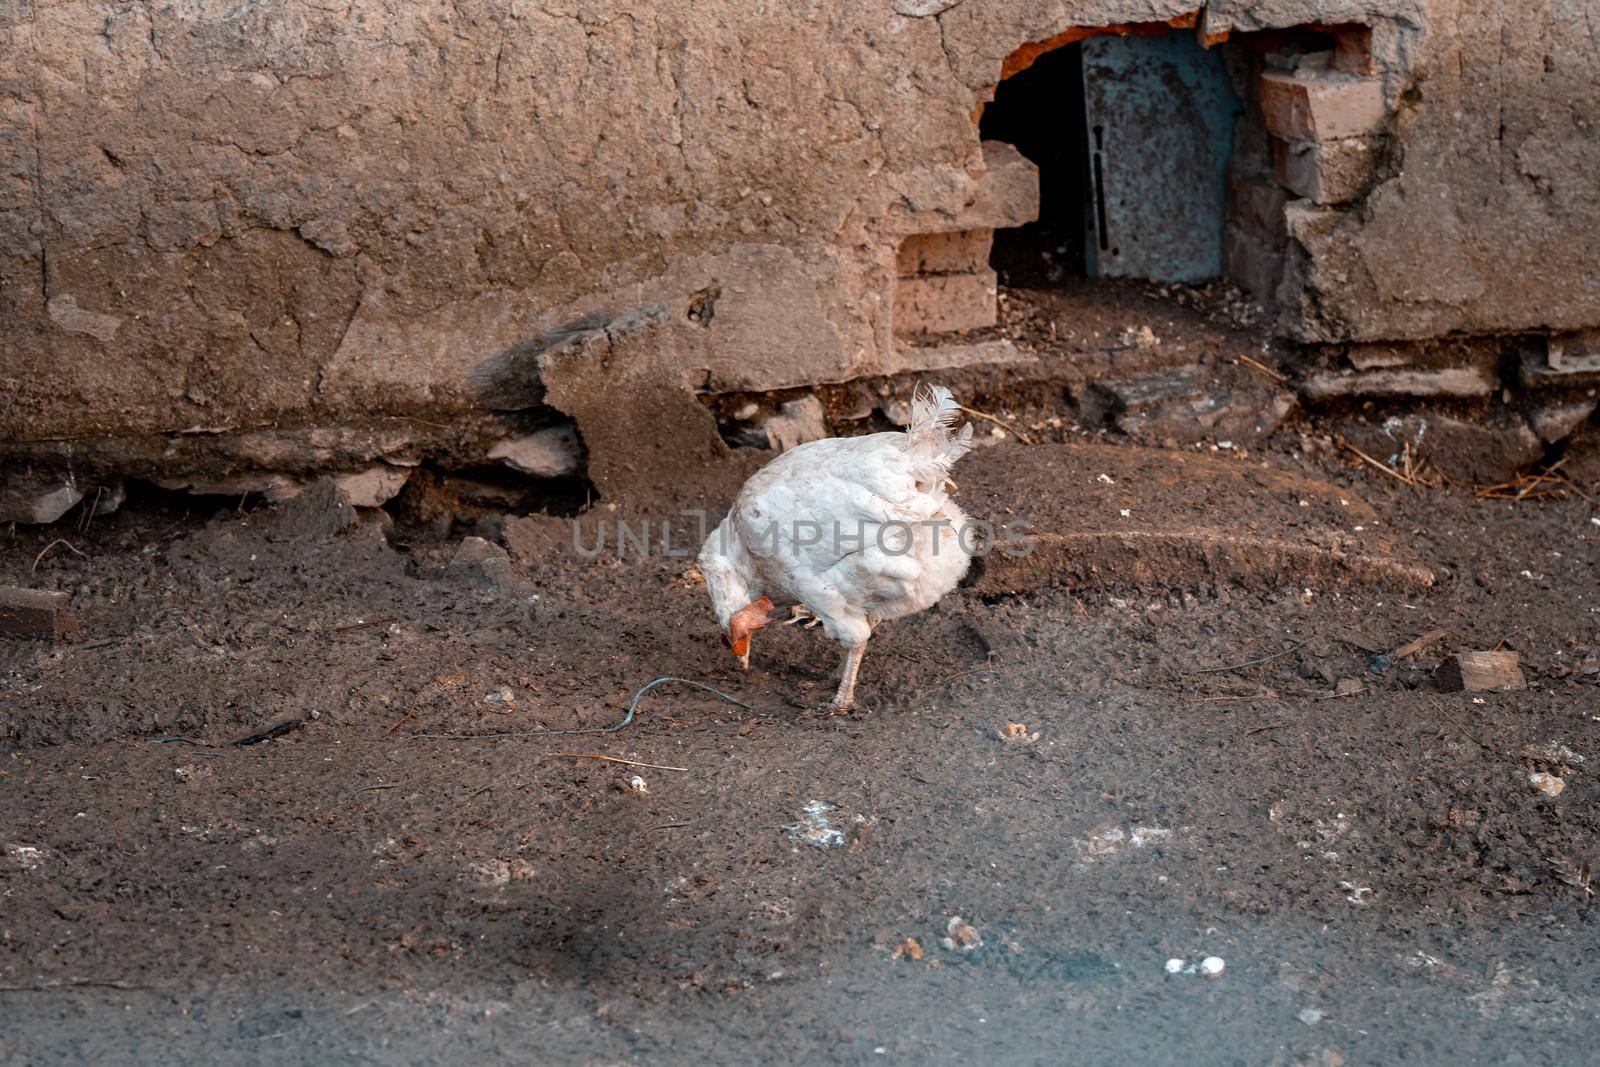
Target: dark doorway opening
{"points": [[1040, 111]]}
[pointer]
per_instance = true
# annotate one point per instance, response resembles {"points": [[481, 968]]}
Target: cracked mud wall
{"points": [[218, 217]]}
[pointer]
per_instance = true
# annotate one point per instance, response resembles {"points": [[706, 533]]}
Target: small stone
{"points": [[1213, 966], [1175, 966], [482, 562], [636, 784], [1548, 784], [33, 612], [374, 486], [747, 411], [37, 501], [554, 452], [1310, 1016], [795, 423]]}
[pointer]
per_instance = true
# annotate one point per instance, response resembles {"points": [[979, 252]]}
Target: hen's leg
{"points": [[846, 696]]}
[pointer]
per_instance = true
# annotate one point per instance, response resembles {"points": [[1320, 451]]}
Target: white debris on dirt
{"points": [[498, 872], [490, 872], [1548, 784], [960, 935], [813, 827], [28, 857], [1210, 967], [1105, 479], [1553, 752], [636, 784], [503, 695], [1310, 1016], [1114, 840], [1356, 894]]}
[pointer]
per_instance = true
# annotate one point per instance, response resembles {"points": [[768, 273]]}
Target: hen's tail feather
{"points": [[933, 412]]}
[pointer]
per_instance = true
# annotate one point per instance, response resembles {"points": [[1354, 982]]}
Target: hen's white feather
{"points": [[933, 412]]}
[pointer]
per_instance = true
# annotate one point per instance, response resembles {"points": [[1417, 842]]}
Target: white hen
{"points": [[855, 529]]}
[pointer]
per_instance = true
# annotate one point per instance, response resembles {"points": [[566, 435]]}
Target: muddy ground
{"points": [[1364, 852]]}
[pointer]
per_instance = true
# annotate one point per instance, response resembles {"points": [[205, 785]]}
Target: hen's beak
{"points": [[746, 621]]}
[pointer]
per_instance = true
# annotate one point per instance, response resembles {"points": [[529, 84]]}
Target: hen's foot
{"points": [[801, 614]]}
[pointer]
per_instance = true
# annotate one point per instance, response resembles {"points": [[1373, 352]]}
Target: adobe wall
{"points": [[233, 236]]}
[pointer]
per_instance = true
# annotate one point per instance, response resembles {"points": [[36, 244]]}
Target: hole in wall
{"points": [[1132, 134]]}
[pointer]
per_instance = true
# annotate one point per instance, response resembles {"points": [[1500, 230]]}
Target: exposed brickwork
{"points": [[945, 303], [1320, 104]]}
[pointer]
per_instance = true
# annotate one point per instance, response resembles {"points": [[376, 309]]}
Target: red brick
{"points": [[1321, 104], [1333, 172], [961, 252], [944, 303]]}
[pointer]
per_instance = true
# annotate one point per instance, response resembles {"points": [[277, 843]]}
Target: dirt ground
{"points": [[1364, 852]]}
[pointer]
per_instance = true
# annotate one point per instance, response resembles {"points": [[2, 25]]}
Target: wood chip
{"points": [[1474, 672]]}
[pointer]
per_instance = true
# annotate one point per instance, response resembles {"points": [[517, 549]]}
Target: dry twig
{"points": [[1384, 467], [1007, 427], [613, 759], [1411, 648], [1271, 372], [1247, 663], [47, 548]]}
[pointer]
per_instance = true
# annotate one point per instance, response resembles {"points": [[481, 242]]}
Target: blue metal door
{"points": [[1160, 112]]}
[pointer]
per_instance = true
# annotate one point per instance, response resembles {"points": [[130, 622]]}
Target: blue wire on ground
{"points": [[613, 728]]}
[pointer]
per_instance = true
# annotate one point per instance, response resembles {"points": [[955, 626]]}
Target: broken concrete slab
{"points": [[1471, 381], [37, 500], [1186, 405], [1553, 420], [33, 612], [1567, 359], [1479, 453], [1118, 518], [1008, 191], [932, 357], [553, 452]]}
